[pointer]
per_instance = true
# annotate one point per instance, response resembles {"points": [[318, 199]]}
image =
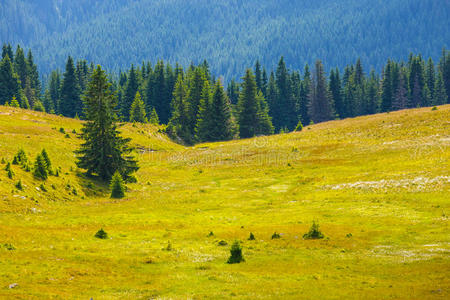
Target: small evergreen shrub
{"points": [[9, 247], [251, 237], [10, 174], [75, 192], [211, 234], [14, 102], [434, 108], [168, 247], [222, 243], [101, 234], [19, 185], [299, 126], [8, 166], [67, 136], [20, 158], [236, 254], [38, 106], [62, 130], [42, 187], [313, 233], [275, 236], [3, 160], [117, 186], [349, 235]]}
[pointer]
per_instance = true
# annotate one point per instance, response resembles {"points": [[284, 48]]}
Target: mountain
{"points": [[230, 34]]}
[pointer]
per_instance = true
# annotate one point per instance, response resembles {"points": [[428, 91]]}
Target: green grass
{"points": [[383, 179]]}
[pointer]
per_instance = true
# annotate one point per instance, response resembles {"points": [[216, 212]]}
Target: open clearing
{"points": [[384, 179]]}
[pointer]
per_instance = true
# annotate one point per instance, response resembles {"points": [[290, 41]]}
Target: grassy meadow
{"points": [[377, 185]]}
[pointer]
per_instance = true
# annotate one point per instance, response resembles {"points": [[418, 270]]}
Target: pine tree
{"points": [[197, 79], [9, 81], [401, 95], [440, 95], [320, 106], [430, 76], [104, 151], [178, 125], [14, 102], [264, 121], [221, 123], [70, 93], [130, 92], [444, 69], [7, 50], [305, 90], [153, 119], [233, 91], [48, 103], [20, 66], [48, 163], [287, 115], [117, 186], [248, 106], [55, 90], [137, 111], [258, 76], [33, 75], [38, 106], [204, 117], [373, 95], [336, 92], [386, 89], [40, 168], [156, 93]]}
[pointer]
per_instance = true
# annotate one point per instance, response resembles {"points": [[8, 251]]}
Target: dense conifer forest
{"points": [[197, 107], [230, 34]]}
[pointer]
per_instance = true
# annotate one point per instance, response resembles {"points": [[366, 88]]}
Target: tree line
{"points": [[196, 107]]}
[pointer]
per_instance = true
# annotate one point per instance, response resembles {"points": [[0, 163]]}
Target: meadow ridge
{"points": [[378, 186]]}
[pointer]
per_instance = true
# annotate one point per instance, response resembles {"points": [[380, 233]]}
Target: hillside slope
{"points": [[230, 34], [377, 185]]}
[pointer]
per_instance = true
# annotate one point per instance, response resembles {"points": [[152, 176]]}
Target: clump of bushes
{"points": [[101, 234], [20, 158], [62, 130], [222, 243], [236, 254], [9, 171], [251, 237], [313, 233], [42, 166], [275, 236], [117, 186]]}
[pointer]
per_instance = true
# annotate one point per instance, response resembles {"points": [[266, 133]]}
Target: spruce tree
{"points": [[204, 117], [197, 79], [130, 92], [48, 162], [264, 121], [233, 91], [156, 93], [386, 89], [178, 125], [104, 151], [401, 95], [38, 106], [20, 66], [305, 90], [430, 76], [33, 74], [221, 123], [285, 105], [55, 90], [117, 186], [9, 81], [137, 111], [440, 95], [14, 102], [258, 76], [248, 106], [40, 168], [7, 50], [336, 92], [70, 93], [320, 106], [153, 119]]}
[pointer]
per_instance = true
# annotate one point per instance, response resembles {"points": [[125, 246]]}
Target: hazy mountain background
{"points": [[230, 34]]}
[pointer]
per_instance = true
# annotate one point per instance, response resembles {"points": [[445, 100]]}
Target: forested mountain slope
{"points": [[230, 34]]}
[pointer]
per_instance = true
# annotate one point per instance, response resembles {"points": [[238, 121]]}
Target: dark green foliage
{"points": [[153, 118], [320, 105], [313, 233], [38, 106], [117, 186], [9, 81], [299, 126], [276, 235], [40, 168], [137, 111], [248, 107], [62, 130], [104, 152], [9, 247], [130, 93], [101, 234], [221, 126], [19, 185], [251, 237], [222, 243], [236, 254], [20, 158], [48, 162], [210, 234], [43, 188], [70, 102], [204, 117]]}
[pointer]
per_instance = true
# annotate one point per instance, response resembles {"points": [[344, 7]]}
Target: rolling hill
{"points": [[230, 34], [377, 185]]}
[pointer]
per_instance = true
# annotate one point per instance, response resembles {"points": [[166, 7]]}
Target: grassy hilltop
{"points": [[377, 185]]}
